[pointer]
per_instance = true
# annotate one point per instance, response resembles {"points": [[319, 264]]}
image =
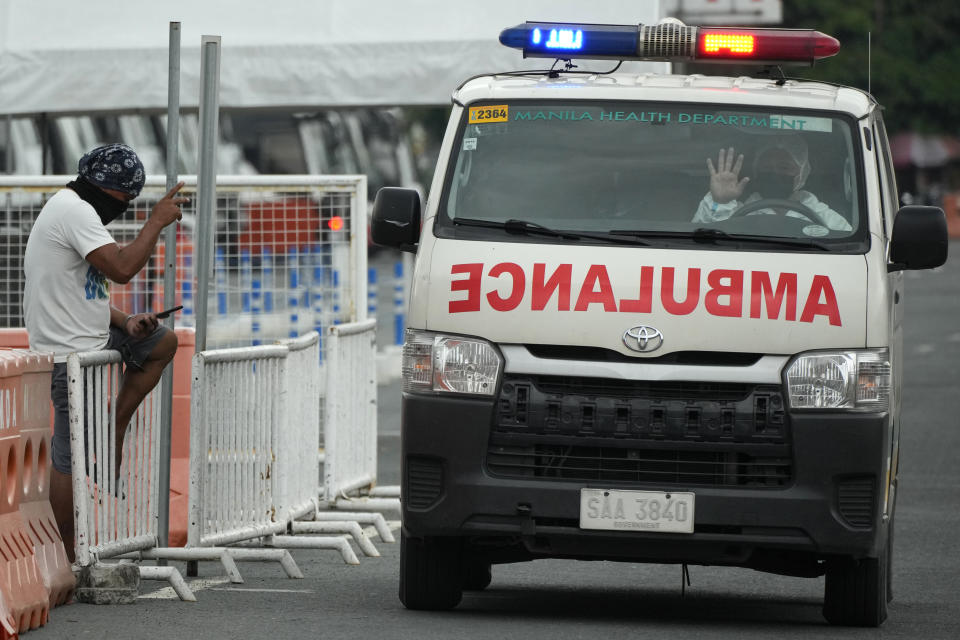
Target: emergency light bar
{"points": [[673, 41]]}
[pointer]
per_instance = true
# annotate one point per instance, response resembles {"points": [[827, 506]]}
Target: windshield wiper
{"points": [[525, 227], [708, 235]]}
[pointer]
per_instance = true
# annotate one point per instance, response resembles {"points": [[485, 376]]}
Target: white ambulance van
{"points": [[656, 318]]}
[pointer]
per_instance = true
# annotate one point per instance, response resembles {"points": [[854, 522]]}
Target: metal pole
{"points": [[206, 201], [206, 177], [44, 142], [8, 160], [169, 282]]}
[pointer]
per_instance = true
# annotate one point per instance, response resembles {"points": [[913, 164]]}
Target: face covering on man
{"points": [[778, 173], [106, 206], [770, 184]]}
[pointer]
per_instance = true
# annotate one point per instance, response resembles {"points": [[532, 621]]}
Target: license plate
{"points": [[653, 511]]}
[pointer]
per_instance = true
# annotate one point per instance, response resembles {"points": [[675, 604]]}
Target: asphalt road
{"points": [[569, 599]]}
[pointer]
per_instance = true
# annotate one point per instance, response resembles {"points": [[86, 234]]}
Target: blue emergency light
{"points": [[669, 40], [554, 40]]}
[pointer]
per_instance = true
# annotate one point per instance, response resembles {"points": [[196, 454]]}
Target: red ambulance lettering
{"points": [[512, 301], [723, 294], [542, 289], [470, 284], [644, 303], [821, 287], [761, 292], [596, 275], [670, 304], [732, 291]]}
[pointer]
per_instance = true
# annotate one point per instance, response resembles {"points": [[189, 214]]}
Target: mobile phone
{"points": [[166, 312]]}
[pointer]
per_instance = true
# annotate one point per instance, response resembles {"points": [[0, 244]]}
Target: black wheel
{"points": [[431, 576], [476, 574], [855, 594]]}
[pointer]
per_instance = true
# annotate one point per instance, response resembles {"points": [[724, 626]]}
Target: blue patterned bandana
{"points": [[113, 166]]}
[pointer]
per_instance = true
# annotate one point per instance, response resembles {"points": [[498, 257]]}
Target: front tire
{"points": [[855, 593], [477, 574], [431, 575]]}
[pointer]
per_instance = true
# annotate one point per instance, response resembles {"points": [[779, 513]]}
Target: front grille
{"points": [[424, 481], [599, 354], [637, 464], [601, 407], [686, 433], [855, 500]]}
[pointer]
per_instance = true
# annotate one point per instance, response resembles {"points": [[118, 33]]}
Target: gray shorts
{"points": [[133, 350]]}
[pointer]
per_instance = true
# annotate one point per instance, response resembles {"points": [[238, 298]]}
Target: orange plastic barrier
{"points": [[25, 599], [35, 507], [180, 438], [180, 429], [951, 206], [14, 339]]}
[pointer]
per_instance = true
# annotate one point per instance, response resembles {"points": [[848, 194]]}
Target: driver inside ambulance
{"points": [[780, 170]]}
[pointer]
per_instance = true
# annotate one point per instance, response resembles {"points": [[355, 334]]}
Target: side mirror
{"points": [[395, 221], [919, 239]]}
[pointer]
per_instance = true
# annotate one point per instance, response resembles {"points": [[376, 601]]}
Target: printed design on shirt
{"points": [[96, 287]]}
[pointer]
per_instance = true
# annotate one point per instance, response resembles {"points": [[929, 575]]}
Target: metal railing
{"points": [[115, 501], [298, 477], [237, 401], [289, 253], [350, 414], [254, 450], [116, 498]]}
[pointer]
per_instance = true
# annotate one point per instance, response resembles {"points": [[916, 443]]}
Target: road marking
{"points": [[954, 337], [924, 349], [263, 590], [167, 593]]}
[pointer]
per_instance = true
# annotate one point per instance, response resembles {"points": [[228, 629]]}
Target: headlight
{"points": [[852, 380], [452, 364]]}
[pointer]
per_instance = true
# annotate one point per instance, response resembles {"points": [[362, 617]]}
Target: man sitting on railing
{"points": [[70, 257]]}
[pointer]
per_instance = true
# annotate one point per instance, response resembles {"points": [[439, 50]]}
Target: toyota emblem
{"points": [[642, 338]]}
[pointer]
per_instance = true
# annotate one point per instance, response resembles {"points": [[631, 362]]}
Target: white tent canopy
{"points": [[64, 56]]}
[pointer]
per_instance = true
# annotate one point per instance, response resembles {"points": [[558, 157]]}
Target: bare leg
{"points": [[138, 383], [61, 499]]}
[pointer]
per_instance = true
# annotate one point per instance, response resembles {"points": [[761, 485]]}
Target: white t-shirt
{"points": [[66, 301]]}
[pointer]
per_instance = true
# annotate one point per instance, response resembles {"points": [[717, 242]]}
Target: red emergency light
{"points": [[780, 46], [670, 40], [335, 223]]}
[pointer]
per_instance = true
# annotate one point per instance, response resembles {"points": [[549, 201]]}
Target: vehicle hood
{"points": [[647, 302]]}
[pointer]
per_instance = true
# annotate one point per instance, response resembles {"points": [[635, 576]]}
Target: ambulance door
{"points": [[891, 204]]}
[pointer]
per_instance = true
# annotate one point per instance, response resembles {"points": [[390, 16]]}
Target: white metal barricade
{"points": [[116, 501], [297, 473], [116, 509], [244, 440], [297, 469], [350, 417], [236, 401]]}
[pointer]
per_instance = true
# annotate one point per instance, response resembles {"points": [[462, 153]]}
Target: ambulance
{"points": [[656, 318]]}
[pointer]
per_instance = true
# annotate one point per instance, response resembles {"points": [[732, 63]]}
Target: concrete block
{"points": [[108, 584]]}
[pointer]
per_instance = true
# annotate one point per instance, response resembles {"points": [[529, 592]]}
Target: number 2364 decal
{"points": [[488, 113]]}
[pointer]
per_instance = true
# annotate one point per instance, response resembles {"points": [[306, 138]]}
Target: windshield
{"points": [[665, 172]]}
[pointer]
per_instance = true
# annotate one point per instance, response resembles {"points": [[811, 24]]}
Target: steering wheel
{"points": [[780, 206]]}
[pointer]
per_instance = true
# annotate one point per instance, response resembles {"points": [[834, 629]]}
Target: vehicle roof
{"points": [[741, 90]]}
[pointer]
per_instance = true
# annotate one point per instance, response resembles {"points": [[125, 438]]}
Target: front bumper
{"points": [[448, 490]]}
